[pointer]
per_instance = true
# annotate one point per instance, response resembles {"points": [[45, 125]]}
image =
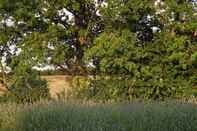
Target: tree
{"points": [[53, 32], [159, 64], [68, 27], [7, 44], [150, 45]]}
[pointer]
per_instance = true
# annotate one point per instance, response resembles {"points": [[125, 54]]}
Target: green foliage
{"points": [[26, 87], [39, 24], [118, 37], [117, 88], [120, 51], [103, 88], [159, 70], [160, 65]]}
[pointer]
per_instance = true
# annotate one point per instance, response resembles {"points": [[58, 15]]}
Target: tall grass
{"points": [[89, 116]]}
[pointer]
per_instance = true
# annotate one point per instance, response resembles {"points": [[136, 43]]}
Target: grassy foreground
{"points": [[88, 116]]}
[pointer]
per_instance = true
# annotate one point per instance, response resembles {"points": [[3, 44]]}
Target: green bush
{"points": [[26, 87], [27, 95], [80, 88], [160, 69], [114, 88]]}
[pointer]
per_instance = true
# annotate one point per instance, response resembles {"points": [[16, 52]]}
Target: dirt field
{"points": [[2, 89], [57, 85]]}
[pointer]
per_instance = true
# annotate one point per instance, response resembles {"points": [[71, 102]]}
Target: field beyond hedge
{"points": [[89, 116]]}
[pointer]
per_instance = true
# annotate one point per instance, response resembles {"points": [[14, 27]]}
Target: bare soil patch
{"points": [[58, 84], [2, 89]]}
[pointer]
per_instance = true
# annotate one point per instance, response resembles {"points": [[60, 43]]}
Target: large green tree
{"points": [[59, 29], [47, 32], [151, 45], [152, 63]]}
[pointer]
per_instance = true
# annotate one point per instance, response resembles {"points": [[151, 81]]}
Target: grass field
{"points": [[89, 116]]}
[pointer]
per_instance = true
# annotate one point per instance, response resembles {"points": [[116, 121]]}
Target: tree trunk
{"points": [[4, 78]]}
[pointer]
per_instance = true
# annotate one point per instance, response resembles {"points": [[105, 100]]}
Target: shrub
{"points": [[26, 87], [107, 88], [160, 69]]}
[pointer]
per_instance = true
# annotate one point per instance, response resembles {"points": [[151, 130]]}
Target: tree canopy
{"points": [[152, 43]]}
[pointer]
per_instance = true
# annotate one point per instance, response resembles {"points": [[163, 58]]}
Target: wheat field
{"points": [[90, 116]]}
